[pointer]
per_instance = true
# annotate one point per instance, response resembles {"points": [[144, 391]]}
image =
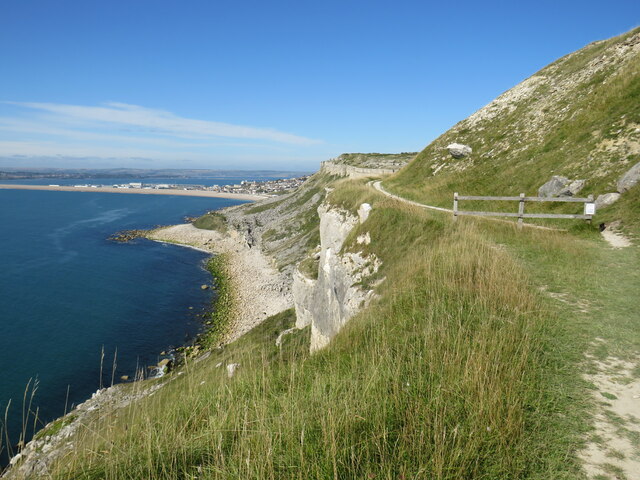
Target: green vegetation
{"points": [[261, 207], [222, 306], [224, 302], [460, 370], [54, 427], [212, 221], [578, 129], [309, 267], [468, 363]]}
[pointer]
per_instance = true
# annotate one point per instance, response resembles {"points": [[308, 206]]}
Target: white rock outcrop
{"points": [[328, 302], [363, 212], [231, 369], [302, 290], [606, 199], [458, 150]]}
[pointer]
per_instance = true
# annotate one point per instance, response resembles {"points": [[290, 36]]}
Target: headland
{"points": [[173, 191]]}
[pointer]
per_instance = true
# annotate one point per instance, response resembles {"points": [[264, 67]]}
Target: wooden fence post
{"points": [[521, 211], [455, 206]]}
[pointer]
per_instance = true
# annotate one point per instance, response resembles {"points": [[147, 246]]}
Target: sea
{"points": [[71, 299]]}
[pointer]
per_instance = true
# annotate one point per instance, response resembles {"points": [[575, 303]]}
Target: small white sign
{"points": [[589, 208]]}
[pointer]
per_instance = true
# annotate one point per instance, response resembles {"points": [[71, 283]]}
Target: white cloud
{"points": [[160, 122], [12, 125], [36, 149]]}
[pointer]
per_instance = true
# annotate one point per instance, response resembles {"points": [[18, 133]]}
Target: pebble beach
{"points": [[260, 289]]}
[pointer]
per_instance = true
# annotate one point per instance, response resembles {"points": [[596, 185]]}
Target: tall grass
{"points": [[452, 373]]}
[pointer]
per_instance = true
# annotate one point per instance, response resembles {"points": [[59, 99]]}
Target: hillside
{"points": [[418, 347], [578, 117]]}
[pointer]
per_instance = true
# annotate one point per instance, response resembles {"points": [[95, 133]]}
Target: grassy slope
{"points": [[212, 221], [455, 372], [572, 122]]}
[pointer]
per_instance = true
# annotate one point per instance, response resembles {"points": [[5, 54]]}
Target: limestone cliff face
{"points": [[328, 302], [303, 289], [350, 171]]}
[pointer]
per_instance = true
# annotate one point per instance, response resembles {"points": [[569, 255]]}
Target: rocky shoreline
{"points": [[124, 236], [259, 289]]}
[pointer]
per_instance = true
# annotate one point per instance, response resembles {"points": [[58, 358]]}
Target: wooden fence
{"points": [[589, 207]]}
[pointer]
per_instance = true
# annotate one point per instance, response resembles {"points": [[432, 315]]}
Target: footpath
{"points": [[602, 302]]}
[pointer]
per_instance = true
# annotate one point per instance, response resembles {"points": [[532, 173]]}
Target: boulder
{"points": [[458, 150], [561, 187], [554, 187], [231, 369], [165, 363], [574, 187], [363, 212], [365, 239], [606, 199], [629, 179]]}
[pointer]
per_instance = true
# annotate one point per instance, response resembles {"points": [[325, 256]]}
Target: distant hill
{"points": [[20, 172]]}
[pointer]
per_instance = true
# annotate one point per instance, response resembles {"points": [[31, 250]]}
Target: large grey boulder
{"points": [[629, 179], [606, 199], [553, 187], [573, 188], [458, 150], [560, 187]]}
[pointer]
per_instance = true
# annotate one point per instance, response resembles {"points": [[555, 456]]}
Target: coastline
{"points": [[168, 191], [260, 289], [184, 245]]}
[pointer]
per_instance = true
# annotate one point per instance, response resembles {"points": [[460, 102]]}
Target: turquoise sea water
{"points": [[66, 292]]}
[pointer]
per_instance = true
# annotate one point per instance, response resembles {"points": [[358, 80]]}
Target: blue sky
{"points": [[265, 85]]}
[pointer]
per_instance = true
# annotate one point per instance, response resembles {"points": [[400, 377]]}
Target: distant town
{"points": [[268, 187]]}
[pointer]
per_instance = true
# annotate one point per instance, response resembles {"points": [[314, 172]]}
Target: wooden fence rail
{"points": [[589, 207]]}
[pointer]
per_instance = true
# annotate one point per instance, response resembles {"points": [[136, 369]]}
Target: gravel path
{"points": [[615, 239]]}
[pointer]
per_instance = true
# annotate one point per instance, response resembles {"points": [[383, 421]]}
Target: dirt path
{"points": [[378, 186], [615, 238], [606, 306], [612, 449]]}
